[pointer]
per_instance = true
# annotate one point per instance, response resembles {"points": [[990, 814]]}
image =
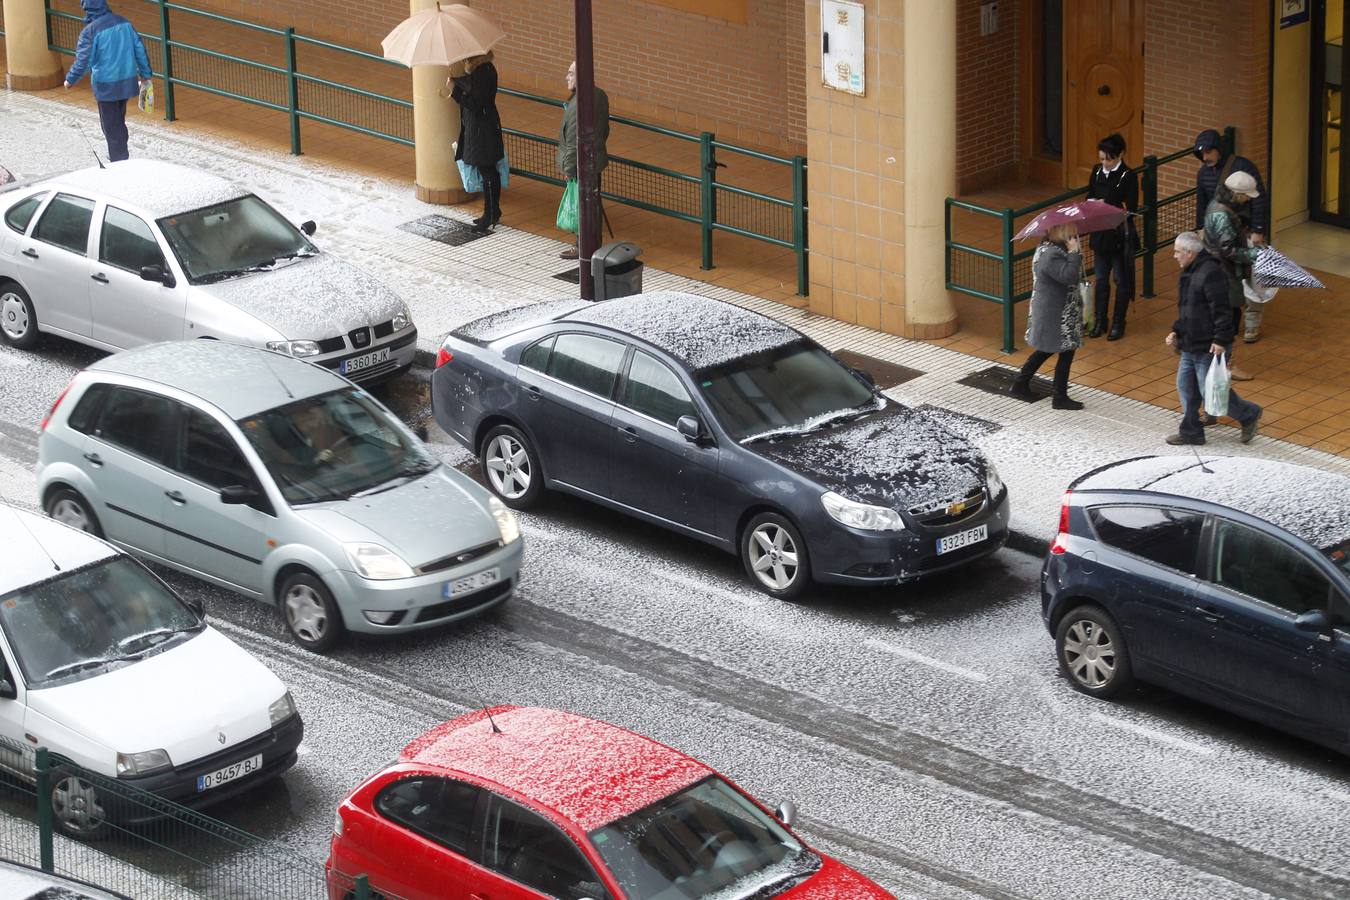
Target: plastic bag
{"points": [[1086, 292], [145, 102], [567, 208], [1257, 294], [472, 179], [1217, 382]]}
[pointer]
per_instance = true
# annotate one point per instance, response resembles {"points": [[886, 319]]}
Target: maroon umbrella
{"points": [[1085, 215]]}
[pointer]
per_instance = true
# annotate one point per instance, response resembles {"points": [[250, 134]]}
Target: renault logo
{"points": [[221, 737]]}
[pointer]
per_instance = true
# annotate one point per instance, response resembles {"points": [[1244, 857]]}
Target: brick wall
{"points": [[987, 93]]}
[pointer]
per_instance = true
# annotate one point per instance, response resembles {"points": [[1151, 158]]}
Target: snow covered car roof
{"points": [[589, 772], [1311, 504], [508, 321], [699, 330], [35, 546], [158, 188]]}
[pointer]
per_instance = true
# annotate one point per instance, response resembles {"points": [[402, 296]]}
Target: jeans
{"points": [[112, 115], [1191, 373], [1104, 265]]}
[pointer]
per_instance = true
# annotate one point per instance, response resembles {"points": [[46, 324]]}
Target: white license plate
{"points": [[962, 539], [471, 583], [229, 773], [360, 363]]}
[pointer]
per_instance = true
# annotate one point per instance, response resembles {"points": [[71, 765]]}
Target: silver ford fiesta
{"points": [[278, 479]]}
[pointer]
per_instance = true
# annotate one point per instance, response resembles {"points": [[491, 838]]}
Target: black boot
{"points": [[1064, 401], [1021, 390], [1117, 331]]}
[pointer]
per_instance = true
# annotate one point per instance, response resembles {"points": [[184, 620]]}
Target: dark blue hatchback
{"points": [[1225, 579]]}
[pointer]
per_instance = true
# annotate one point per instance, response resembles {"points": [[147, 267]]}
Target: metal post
{"points": [[1150, 220], [292, 92], [1008, 346], [362, 888], [707, 195], [588, 205], [166, 58], [44, 810], [799, 224]]}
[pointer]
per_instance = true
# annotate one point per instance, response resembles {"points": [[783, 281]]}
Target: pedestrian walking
{"points": [[1113, 250], [1204, 330], [567, 143], [111, 51], [1055, 323], [1226, 236], [1215, 170], [480, 141]]}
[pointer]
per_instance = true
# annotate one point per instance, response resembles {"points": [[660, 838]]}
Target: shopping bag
{"points": [[472, 179], [146, 101], [1086, 291], [1257, 294], [567, 208], [1217, 381]]}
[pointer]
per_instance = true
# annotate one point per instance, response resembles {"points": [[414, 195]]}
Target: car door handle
{"points": [[176, 497], [94, 459], [533, 392], [30, 253], [100, 277], [629, 432], [1209, 614]]}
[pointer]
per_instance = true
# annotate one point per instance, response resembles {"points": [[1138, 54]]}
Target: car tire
{"points": [[77, 808], [310, 612], [1092, 653], [775, 556], [511, 467], [67, 506], [18, 318]]}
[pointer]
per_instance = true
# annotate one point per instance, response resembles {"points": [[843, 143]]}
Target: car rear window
{"points": [[21, 213], [86, 411], [587, 362], [1164, 535]]}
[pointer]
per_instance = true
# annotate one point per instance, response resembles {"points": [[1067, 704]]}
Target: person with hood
{"points": [[1203, 330], [1055, 323], [111, 51], [480, 141], [567, 140], [1216, 168]]}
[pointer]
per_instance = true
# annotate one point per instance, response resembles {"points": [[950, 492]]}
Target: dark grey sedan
{"points": [[721, 424]]}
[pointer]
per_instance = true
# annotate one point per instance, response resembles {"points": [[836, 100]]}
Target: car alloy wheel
{"points": [[69, 508], [310, 612], [774, 555], [77, 809], [511, 467], [18, 321], [1092, 652]]}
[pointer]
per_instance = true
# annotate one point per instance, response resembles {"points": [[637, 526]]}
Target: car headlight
{"points": [[506, 520], [281, 709], [402, 319], [861, 515], [376, 562], [142, 763], [294, 348], [993, 482]]}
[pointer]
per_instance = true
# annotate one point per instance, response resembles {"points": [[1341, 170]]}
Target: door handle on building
{"points": [[1104, 89]]}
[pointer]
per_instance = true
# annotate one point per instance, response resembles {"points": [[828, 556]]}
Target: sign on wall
{"points": [[841, 45], [1292, 12]]}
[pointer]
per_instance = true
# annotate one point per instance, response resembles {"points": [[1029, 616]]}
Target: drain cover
{"points": [[572, 276], [969, 427], [998, 379], [444, 229], [886, 375]]}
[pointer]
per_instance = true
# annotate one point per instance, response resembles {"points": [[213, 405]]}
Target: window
{"points": [[138, 422], [1169, 537], [536, 355], [127, 242], [586, 362], [1265, 567], [654, 390], [1339, 611], [208, 454], [21, 213], [225, 240], [87, 410], [525, 848], [65, 223], [438, 809]]}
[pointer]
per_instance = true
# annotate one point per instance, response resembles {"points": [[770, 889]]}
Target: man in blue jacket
{"points": [[113, 54]]}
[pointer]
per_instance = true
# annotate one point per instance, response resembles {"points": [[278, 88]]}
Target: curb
{"points": [[424, 359]]}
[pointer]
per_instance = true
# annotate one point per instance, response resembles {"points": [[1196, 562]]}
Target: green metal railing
{"points": [[1004, 275], [283, 86]]}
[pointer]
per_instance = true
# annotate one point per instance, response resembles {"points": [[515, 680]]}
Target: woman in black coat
{"points": [[1113, 251], [480, 132]]}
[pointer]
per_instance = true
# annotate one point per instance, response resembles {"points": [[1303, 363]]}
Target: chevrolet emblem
{"points": [[955, 509]]}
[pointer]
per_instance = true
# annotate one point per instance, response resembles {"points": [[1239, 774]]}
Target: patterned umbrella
{"points": [[1086, 215], [1273, 269]]}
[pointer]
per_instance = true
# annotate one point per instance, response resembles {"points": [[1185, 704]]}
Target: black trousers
{"points": [[492, 194], [1037, 359], [112, 115], [1119, 263]]}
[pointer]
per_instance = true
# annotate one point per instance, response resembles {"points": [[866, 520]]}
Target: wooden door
{"points": [[1103, 81]]}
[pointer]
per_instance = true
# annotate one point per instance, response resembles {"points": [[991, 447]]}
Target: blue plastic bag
{"points": [[473, 179]]}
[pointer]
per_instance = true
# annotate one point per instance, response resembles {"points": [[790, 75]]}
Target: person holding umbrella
{"points": [[480, 141], [1055, 323]]}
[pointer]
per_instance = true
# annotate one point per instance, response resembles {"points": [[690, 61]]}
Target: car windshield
{"points": [[233, 238], [87, 620], [335, 446], [1339, 555], [785, 391], [706, 841]]}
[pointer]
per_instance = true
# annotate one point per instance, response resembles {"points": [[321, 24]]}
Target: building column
{"points": [[435, 128], [930, 163], [32, 65]]}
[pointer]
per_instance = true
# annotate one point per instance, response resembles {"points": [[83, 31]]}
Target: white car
{"points": [[104, 664], [143, 251]]}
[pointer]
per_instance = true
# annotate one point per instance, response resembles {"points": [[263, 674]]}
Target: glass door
{"points": [[1329, 165]]}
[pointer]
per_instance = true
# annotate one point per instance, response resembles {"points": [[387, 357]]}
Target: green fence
{"points": [[1003, 275], [282, 80]]}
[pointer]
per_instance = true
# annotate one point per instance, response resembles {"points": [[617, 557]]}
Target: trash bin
{"points": [[616, 270]]}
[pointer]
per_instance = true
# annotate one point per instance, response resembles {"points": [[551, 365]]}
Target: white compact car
{"points": [[104, 664], [143, 251]]}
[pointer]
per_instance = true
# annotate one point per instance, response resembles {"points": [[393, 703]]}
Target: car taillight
{"points": [[443, 356], [51, 412], [1061, 542]]}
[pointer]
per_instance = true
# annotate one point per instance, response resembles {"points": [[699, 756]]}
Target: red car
{"points": [[517, 803]]}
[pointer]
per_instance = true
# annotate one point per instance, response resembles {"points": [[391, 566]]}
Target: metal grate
{"points": [[355, 108], [443, 229], [753, 214], [998, 379]]}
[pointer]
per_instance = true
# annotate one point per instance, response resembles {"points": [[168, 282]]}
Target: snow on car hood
{"points": [[309, 299], [427, 519], [181, 700], [836, 881], [898, 458]]}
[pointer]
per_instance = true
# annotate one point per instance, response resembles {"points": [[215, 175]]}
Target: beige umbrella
{"points": [[441, 36]]}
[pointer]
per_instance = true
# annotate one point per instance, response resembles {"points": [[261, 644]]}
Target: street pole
{"points": [[589, 199]]}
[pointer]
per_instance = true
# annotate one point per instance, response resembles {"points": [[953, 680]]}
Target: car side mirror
{"points": [[158, 273], [1314, 620], [690, 428], [7, 689], [238, 494], [787, 813], [309, 228]]}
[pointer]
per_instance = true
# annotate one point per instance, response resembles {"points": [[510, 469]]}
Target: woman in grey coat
{"points": [[1055, 324]]}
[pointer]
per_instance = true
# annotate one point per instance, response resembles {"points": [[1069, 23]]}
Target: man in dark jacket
{"points": [[1113, 250], [567, 139], [112, 52], [1203, 330], [1215, 166]]}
